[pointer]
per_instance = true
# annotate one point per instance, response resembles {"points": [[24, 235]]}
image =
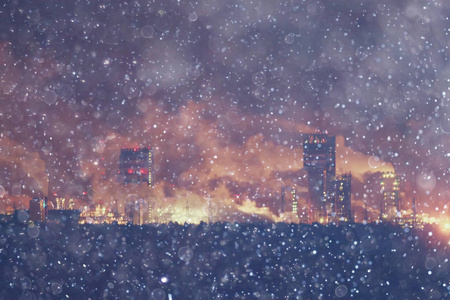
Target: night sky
{"points": [[223, 91]]}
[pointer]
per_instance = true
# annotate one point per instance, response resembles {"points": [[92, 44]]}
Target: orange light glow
{"points": [[445, 227]]}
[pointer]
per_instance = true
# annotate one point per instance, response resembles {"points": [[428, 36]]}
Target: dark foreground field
{"points": [[223, 261]]}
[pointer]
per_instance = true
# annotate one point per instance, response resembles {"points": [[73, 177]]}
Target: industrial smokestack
{"points": [[366, 213]]}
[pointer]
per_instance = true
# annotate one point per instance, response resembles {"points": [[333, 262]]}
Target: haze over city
{"points": [[223, 92], [225, 149]]}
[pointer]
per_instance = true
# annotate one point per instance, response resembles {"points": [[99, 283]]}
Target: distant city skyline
{"points": [[328, 200], [223, 96]]}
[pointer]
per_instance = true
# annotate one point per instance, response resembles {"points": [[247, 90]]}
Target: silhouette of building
{"points": [[5, 218], [319, 159], [38, 209], [63, 216], [390, 184], [136, 165], [343, 195], [138, 212], [21, 215]]}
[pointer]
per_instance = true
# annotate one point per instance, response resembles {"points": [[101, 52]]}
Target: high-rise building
{"points": [[38, 209], [343, 195], [136, 165], [319, 159], [294, 201], [390, 184]]}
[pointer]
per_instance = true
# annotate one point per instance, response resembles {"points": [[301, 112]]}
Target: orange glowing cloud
{"points": [[356, 162], [31, 179], [199, 166]]}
